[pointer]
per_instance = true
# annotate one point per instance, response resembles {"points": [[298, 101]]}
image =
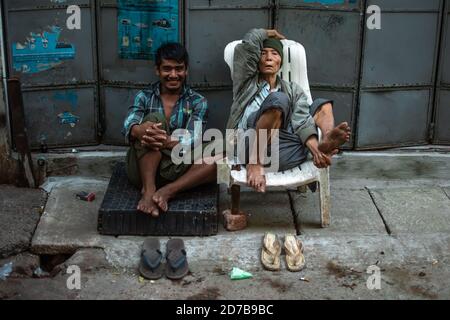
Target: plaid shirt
{"points": [[190, 108]]}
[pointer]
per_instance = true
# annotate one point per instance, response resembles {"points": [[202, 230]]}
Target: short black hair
{"points": [[172, 51]]}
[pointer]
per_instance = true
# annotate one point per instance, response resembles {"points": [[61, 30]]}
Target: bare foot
{"points": [[335, 138], [256, 178], [147, 205], [162, 198]]}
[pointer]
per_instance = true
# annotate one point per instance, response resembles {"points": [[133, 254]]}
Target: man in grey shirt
{"points": [[265, 102]]}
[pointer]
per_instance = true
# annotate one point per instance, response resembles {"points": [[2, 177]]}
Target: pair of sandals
{"points": [[271, 253], [152, 266]]}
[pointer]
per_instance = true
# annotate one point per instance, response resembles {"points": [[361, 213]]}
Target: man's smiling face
{"points": [[172, 74]]}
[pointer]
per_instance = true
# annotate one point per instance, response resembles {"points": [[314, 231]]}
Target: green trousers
{"points": [[167, 171]]}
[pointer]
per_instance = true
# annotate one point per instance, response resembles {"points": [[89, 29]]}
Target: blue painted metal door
{"points": [[57, 68], [392, 85]]}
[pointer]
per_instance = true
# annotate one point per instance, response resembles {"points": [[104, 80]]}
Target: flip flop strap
{"points": [[297, 255], [272, 252], [271, 256], [176, 259], [151, 260], [292, 252], [297, 260]]}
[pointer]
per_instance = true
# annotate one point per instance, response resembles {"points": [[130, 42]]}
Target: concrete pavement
{"points": [[388, 210], [20, 211]]}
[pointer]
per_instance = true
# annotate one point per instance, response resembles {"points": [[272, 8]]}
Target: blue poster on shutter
{"points": [[41, 51], [144, 25]]}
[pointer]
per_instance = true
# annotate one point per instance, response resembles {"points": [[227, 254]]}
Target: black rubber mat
{"points": [[192, 213]]}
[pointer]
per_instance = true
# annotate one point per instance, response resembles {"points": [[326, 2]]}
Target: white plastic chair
{"points": [[294, 69]]}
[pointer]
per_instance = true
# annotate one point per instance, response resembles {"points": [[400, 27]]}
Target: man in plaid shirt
{"points": [[166, 106]]}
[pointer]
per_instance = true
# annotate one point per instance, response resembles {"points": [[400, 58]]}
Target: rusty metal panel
{"points": [[319, 32], [227, 3], [398, 117], [114, 69], [445, 55], [399, 59], [58, 70], [219, 104], [116, 102], [42, 51], [403, 52], [60, 117], [331, 32], [209, 26], [399, 68], [342, 108], [121, 78], [333, 5], [41, 4], [442, 106], [209, 29], [442, 130], [406, 5]]}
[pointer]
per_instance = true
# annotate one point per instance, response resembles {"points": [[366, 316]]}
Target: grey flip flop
{"points": [[177, 266], [151, 266]]}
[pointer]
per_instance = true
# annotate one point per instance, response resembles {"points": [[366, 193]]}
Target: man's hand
{"points": [[151, 135], [321, 160], [155, 138], [275, 34]]}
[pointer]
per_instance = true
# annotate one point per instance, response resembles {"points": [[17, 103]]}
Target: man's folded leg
{"points": [[143, 167], [184, 176], [290, 151]]}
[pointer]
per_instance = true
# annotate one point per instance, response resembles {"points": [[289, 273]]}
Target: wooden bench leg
{"points": [[234, 219], [325, 197]]}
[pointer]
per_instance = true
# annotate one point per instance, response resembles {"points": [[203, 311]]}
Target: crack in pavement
{"points": [[446, 193], [388, 229]]}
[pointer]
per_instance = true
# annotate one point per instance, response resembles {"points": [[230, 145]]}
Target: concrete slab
{"points": [[333, 282], [229, 250], [414, 210], [358, 237], [19, 215], [84, 163], [383, 166], [69, 224], [408, 265], [390, 170], [414, 263], [353, 169], [361, 250], [352, 212]]}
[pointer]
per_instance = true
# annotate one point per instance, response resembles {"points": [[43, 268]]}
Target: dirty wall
{"points": [[82, 61], [8, 166]]}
